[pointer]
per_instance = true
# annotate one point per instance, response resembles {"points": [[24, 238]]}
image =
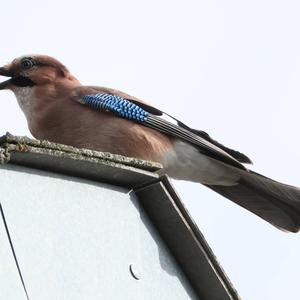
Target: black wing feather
{"points": [[236, 154], [203, 145]]}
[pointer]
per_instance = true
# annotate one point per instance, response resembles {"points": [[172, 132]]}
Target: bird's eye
{"points": [[27, 64]]}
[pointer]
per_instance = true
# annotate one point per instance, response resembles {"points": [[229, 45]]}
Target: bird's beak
{"points": [[4, 72]]}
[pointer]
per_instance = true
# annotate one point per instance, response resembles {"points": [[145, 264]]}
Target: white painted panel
{"points": [[75, 239], [10, 283]]}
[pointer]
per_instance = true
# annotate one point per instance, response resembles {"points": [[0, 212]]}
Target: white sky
{"points": [[231, 68]]}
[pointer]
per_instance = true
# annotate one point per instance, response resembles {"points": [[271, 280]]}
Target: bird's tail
{"points": [[275, 202]]}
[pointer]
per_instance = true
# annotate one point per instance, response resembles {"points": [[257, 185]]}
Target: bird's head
{"points": [[32, 70], [36, 79]]}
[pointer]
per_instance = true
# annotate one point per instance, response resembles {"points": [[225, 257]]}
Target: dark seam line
{"points": [[13, 251]]}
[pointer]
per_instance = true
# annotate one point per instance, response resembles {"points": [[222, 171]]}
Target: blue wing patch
{"points": [[118, 105], [170, 126]]}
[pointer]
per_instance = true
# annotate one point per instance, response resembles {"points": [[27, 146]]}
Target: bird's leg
{"points": [[21, 147]]}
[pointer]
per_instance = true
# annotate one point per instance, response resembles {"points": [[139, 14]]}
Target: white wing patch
{"points": [[169, 119], [185, 162]]}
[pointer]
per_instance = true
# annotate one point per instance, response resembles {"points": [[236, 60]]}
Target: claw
{"points": [[21, 147]]}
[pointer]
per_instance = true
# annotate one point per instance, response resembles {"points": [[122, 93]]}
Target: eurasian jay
{"points": [[59, 109]]}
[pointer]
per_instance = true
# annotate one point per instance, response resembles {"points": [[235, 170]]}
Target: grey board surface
{"points": [[185, 247]]}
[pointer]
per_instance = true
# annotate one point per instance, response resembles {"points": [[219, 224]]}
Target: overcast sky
{"points": [[231, 68]]}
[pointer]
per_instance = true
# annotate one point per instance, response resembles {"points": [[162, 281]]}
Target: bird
{"points": [[60, 109]]}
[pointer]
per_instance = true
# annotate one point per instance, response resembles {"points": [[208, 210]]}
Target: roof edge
{"points": [[10, 143], [84, 163]]}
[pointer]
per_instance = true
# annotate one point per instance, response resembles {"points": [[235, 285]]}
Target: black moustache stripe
{"points": [[22, 81]]}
